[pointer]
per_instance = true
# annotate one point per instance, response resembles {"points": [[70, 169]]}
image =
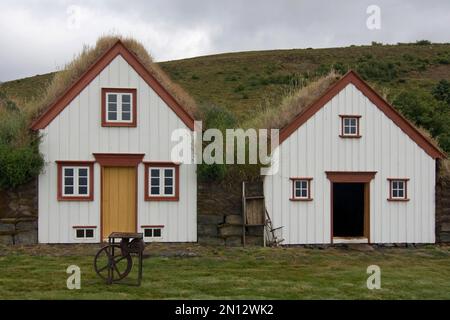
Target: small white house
{"points": [[352, 169], [107, 145]]}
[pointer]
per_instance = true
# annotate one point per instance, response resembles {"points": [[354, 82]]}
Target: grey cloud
{"points": [[38, 40]]}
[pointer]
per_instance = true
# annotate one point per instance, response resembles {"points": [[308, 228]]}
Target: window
{"points": [[118, 107], [75, 180], [350, 126], [301, 189], [84, 232], [161, 181], [398, 189], [152, 231]]}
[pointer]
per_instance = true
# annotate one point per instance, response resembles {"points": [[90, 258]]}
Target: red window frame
{"points": [[405, 194], [105, 122], [346, 116], [176, 166], [60, 194], [293, 180]]}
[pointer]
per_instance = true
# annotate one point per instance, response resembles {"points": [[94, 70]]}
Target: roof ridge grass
{"points": [[84, 60]]}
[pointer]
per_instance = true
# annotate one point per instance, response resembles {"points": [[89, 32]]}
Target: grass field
{"points": [[201, 272]]}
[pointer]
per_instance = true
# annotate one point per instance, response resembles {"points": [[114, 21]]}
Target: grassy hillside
{"points": [[243, 81]]}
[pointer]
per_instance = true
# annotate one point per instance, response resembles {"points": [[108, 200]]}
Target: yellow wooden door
{"points": [[118, 200]]}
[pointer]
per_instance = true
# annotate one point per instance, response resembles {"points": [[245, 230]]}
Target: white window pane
{"points": [[82, 190], [154, 190], [112, 97], [155, 172], [126, 98], [168, 190], [112, 116], [126, 116], [68, 190]]}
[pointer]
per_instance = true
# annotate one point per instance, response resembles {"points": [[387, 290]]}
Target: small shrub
{"points": [[20, 160], [423, 42]]}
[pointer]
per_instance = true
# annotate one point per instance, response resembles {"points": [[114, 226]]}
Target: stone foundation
{"points": [[19, 214]]}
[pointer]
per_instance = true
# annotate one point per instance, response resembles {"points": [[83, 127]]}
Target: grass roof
{"points": [[294, 102], [63, 80]]}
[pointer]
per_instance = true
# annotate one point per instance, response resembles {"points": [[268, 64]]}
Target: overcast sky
{"points": [[40, 36]]}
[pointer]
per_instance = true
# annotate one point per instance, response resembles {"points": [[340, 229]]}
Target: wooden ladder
{"points": [[254, 214]]}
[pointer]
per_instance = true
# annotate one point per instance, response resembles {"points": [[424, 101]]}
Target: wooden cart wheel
{"points": [[110, 258]]}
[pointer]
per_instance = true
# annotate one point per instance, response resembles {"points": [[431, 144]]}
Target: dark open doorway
{"points": [[348, 209]]}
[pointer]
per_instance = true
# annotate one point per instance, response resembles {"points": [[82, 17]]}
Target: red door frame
{"points": [[352, 177]]}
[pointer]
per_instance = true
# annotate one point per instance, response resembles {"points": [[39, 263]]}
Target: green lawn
{"points": [[199, 272]]}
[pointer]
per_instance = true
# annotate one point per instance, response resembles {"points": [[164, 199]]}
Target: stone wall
{"points": [[443, 209], [219, 208], [18, 214]]}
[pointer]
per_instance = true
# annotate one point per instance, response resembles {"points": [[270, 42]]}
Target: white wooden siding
{"points": [[316, 147], [76, 133]]}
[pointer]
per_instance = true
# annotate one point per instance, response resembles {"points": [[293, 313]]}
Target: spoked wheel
{"points": [[109, 262]]}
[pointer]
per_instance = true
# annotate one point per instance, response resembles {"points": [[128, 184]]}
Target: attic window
{"points": [[350, 126], [118, 107]]}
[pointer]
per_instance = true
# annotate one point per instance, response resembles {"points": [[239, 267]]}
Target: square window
{"points": [[398, 189], [148, 232], [157, 232], [80, 233], [301, 189], [89, 233]]}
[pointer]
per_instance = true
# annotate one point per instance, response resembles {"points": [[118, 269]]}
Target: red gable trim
{"points": [[117, 49], [386, 108]]}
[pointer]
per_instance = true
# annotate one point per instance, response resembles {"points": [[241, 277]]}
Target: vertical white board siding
{"points": [[316, 147], [76, 133]]}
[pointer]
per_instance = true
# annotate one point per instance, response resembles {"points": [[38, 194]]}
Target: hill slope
{"points": [[243, 81]]}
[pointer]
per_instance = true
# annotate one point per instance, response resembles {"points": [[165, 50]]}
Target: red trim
{"points": [[293, 198], [117, 49], [84, 227], [156, 226], [147, 196], [90, 164], [106, 123], [119, 159], [386, 108], [405, 198], [350, 176]]}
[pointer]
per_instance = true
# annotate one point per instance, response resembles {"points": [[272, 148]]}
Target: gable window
{"points": [[350, 126], [119, 107], [301, 189], [161, 181], [398, 189], [152, 232], [75, 180], [84, 232]]}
